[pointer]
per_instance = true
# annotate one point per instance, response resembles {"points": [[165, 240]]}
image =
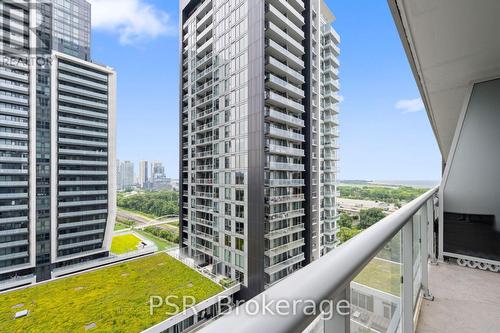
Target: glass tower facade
{"points": [[57, 141], [252, 153]]}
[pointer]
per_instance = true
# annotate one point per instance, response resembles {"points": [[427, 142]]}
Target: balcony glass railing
{"points": [[371, 283]]}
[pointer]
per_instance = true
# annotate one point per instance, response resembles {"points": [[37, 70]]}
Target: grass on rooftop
{"points": [[160, 243], [124, 243], [115, 298], [382, 275], [119, 226]]}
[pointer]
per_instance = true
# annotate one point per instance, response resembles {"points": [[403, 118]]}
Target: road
{"points": [[143, 221]]}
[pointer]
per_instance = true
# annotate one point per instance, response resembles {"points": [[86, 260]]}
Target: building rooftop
{"points": [[383, 275], [111, 299]]}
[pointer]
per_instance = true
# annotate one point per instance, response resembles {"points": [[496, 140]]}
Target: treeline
{"points": [[391, 195], [163, 234], [153, 203], [351, 226]]}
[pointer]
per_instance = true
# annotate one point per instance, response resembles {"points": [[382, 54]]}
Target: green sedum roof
{"points": [[115, 298]]}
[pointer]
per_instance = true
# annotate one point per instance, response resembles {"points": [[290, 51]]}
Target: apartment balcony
{"points": [[284, 264], [278, 116], [81, 122], [81, 203], [206, 74], [18, 88], [331, 106], [331, 131], [275, 33], [283, 150], [293, 14], [205, 33], [13, 171], [284, 231], [285, 215], [83, 112], [83, 102], [286, 198], [15, 99], [82, 81], [387, 263], [205, 222], [276, 16], [6, 73], [14, 244], [331, 119], [14, 112], [16, 195], [14, 232], [205, 19], [79, 244], [331, 83], [285, 182], [284, 102], [331, 47], [13, 208], [330, 70], [329, 32], [281, 68], [205, 48], [281, 166], [283, 134], [274, 82], [279, 52], [274, 251], [82, 92]]}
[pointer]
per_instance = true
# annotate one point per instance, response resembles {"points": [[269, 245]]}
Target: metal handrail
{"points": [[323, 279]]}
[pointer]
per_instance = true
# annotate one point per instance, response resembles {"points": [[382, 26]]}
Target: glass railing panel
{"points": [[375, 293], [416, 254]]}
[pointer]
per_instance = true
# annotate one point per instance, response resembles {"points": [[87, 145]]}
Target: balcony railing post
{"points": [[407, 290], [426, 224], [340, 323]]}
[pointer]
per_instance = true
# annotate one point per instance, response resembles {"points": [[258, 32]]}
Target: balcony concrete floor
{"points": [[466, 300]]}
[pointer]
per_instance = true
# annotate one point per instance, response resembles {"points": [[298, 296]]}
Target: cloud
{"points": [[410, 105], [134, 21], [340, 98]]}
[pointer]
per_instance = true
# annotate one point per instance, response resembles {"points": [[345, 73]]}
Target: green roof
{"points": [[115, 298], [383, 275], [124, 243]]}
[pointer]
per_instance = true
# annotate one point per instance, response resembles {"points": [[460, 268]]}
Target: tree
{"points": [[345, 221], [368, 217], [345, 234]]}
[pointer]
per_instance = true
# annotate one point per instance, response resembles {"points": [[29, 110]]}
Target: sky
{"points": [[384, 130]]}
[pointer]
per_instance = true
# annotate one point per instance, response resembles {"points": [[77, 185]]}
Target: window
{"points": [[228, 210], [227, 225], [239, 260], [240, 178], [240, 244], [240, 195], [227, 240], [240, 277], [227, 256], [227, 194], [240, 228], [240, 211]]}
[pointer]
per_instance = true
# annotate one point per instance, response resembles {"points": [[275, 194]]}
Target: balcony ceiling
{"points": [[449, 43]]}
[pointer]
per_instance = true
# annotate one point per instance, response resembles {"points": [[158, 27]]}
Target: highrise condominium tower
{"points": [[57, 141], [143, 174], [157, 171], [258, 136], [126, 172]]}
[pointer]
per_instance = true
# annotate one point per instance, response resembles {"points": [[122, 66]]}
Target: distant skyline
{"points": [[385, 133]]}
